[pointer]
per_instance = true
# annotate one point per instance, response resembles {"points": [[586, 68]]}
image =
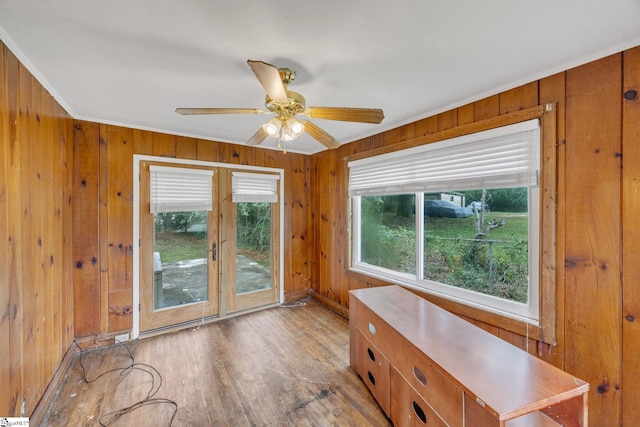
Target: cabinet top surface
{"points": [[504, 377]]}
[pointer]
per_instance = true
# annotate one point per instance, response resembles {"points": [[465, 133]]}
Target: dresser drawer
{"points": [[444, 396], [408, 408], [373, 368], [374, 328]]}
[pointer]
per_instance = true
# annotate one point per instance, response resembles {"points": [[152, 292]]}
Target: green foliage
{"points": [[495, 266], [254, 225], [179, 221], [452, 254], [502, 199], [384, 243]]}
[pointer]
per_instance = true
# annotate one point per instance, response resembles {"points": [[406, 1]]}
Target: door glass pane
{"points": [[180, 258], [253, 237]]}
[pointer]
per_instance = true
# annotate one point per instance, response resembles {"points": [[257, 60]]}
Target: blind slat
{"points": [[254, 187], [180, 189], [498, 158]]}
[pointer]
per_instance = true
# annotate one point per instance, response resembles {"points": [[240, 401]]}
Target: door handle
{"points": [[214, 251]]}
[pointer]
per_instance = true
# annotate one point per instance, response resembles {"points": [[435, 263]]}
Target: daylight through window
{"points": [[458, 217]]}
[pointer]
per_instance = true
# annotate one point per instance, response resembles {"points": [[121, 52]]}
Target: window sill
{"points": [[468, 312]]}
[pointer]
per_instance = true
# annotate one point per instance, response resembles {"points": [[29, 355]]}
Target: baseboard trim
{"points": [[38, 414], [333, 305], [294, 296]]}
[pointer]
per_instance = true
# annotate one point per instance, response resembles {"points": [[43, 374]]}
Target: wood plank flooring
{"points": [[285, 366]]}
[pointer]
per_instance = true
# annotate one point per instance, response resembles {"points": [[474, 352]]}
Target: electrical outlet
{"points": [[122, 338]]}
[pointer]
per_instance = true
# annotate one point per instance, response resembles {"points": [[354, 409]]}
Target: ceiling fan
{"points": [[285, 104]]}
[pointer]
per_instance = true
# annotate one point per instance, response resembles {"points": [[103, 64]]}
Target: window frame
{"points": [[544, 328]]}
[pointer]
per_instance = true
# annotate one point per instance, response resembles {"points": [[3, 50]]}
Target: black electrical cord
{"points": [[112, 417]]}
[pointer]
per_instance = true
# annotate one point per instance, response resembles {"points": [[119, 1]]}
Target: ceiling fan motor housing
{"points": [[295, 105]]}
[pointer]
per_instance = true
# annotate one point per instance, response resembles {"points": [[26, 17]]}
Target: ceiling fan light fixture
{"points": [[296, 127], [287, 134], [272, 127]]}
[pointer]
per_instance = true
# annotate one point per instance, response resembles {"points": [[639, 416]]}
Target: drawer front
{"points": [[373, 368], [407, 406], [444, 396], [373, 328], [477, 415]]}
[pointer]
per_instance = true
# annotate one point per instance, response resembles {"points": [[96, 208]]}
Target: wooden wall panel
{"points": [[12, 149], [5, 296], [427, 126], [35, 266], [327, 250], [519, 98], [29, 246], [295, 230], [631, 237], [63, 133], [447, 120], [186, 148], [86, 276], [164, 145], [486, 108], [119, 206], [207, 150], [143, 142], [4, 268], [593, 233], [466, 114]]}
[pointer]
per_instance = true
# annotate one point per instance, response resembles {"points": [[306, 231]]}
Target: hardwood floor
{"points": [[285, 366]]}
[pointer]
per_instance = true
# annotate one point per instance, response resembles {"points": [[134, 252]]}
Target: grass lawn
{"points": [[174, 247], [515, 227], [496, 265]]}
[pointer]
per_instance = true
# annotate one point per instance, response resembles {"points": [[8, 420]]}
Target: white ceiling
{"points": [[132, 63]]}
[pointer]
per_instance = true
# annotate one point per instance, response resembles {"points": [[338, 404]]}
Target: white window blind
{"points": [[180, 189], [254, 187], [498, 158]]}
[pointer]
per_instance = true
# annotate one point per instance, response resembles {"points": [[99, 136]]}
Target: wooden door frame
{"points": [[176, 314], [137, 158], [232, 302]]}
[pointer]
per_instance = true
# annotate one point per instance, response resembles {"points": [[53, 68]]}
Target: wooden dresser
{"points": [[426, 366]]}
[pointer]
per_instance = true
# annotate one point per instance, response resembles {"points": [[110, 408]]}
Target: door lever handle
{"points": [[214, 251]]}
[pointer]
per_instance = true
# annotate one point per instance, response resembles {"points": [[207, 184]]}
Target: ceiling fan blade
{"points": [[269, 78], [189, 111], [258, 137], [323, 137], [345, 114]]}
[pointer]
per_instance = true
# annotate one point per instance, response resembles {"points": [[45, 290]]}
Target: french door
{"points": [[250, 236], [178, 247], [205, 249]]}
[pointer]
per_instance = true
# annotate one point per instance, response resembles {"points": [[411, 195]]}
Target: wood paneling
{"points": [[593, 233], [86, 183], [631, 237], [35, 255], [119, 216]]}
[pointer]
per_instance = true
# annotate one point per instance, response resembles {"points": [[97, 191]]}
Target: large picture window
{"points": [[459, 218]]}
